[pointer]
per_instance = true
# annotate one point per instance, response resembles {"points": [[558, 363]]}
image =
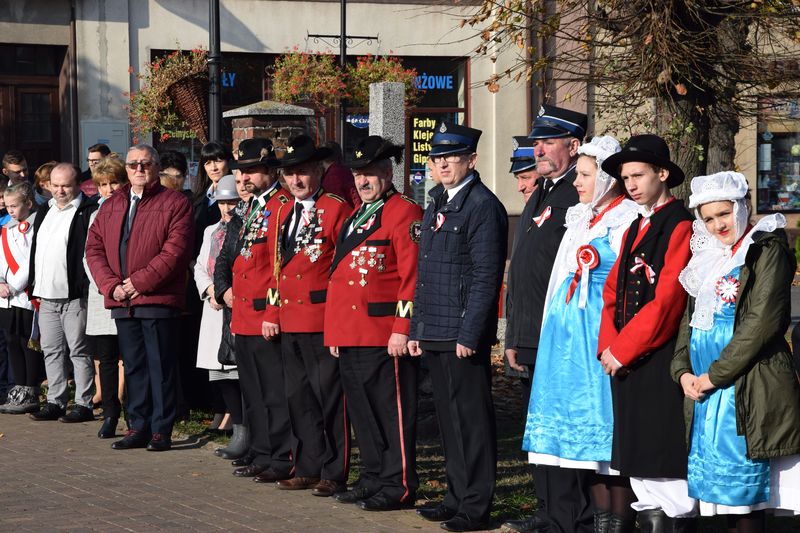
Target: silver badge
{"points": [[443, 128], [514, 144], [541, 111]]}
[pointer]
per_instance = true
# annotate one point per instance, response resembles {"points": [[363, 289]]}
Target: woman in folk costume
{"points": [[16, 311], [570, 420], [733, 361]]}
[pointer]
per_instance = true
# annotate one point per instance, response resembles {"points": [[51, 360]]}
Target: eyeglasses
{"points": [[134, 165], [450, 158], [93, 162], [169, 175]]}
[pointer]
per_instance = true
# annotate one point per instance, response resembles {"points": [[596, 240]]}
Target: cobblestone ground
{"points": [[61, 477]]}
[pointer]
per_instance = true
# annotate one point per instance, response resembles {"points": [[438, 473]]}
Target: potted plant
{"points": [[375, 69], [300, 77], [173, 96]]}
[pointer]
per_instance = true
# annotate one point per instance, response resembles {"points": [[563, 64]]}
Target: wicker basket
{"points": [[190, 95]]}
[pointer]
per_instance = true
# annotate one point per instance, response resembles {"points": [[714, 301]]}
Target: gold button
{"points": [[299, 276], [244, 299], [637, 292], [351, 282], [286, 301], [299, 301], [244, 276], [284, 276], [354, 308]]}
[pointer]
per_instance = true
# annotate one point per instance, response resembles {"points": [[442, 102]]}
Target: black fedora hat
{"points": [[374, 148], [254, 152], [301, 149], [646, 148]]}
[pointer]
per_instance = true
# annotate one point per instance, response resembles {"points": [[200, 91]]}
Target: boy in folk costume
{"points": [[643, 305]]}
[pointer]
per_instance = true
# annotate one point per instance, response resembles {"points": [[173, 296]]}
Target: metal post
{"points": [[214, 64], [342, 63]]}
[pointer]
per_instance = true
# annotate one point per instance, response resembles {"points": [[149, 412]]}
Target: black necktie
{"points": [[442, 200], [298, 213], [131, 215], [548, 186]]}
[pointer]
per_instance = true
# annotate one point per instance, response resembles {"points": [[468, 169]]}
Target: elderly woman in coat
{"points": [[733, 361], [217, 345]]}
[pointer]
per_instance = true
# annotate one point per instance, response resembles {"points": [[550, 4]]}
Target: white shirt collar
{"points": [[451, 192], [74, 203]]}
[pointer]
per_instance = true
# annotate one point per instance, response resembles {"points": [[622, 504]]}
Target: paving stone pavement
{"points": [[61, 477]]}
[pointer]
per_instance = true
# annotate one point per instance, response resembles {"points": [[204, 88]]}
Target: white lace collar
{"points": [[711, 260]]}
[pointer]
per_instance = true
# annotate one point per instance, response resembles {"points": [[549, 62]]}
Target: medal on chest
{"points": [[541, 219], [256, 227], [307, 240], [727, 289]]}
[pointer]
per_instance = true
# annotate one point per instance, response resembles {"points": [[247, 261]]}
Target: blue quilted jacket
{"points": [[460, 267]]}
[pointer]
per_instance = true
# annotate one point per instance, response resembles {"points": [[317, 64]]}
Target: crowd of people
{"points": [[649, 339]]}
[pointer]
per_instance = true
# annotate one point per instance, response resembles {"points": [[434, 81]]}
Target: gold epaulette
{"points": [[283, 199], [335, 197], [409, 199]]}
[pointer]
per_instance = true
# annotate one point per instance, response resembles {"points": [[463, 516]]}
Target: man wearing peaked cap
{"points": [[556, 135], [367, 320], [241, 281], [462, 254], [304, 243], [523, 166]]}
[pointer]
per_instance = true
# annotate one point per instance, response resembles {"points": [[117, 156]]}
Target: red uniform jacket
{"points": [[373, 276], [658, 320], [252, 276], [296, 298]]}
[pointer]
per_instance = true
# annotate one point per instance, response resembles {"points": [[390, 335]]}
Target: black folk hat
{"points": [[301, 149], [374, 148], [646, 148], [254, 152]]}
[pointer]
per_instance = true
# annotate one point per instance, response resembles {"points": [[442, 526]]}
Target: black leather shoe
{"points": [[270, 476], [159, 443], [462, 522], [78, 413], [132, 439], [109, 428], [247, 460], [532, 524], [356, 494], [381, 502], [250, 470], [50, 411], [440, 513]]}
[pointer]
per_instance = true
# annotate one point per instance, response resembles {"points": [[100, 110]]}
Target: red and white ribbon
{"points": [[306, 217], [588, 259], [369, 223], [23, 227], [541, 219], [727, 288], [439, 221], [641, 265]]}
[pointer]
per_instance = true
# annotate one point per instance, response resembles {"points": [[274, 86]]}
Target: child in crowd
{"points": [[733, 361]]}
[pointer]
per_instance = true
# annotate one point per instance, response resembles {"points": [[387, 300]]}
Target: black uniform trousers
{"points": [[148, 353], [106, 350], [265, 411], [563, 495], [462, 394], [381, 394], [316, 407]]}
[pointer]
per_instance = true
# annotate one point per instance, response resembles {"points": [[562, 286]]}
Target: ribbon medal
{"points": [[23, 227], [588, 259], [727, 289], [645, 268], [541, 219], [439, 221]]}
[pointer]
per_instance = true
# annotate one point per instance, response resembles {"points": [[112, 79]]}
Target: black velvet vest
{"points": [[634, 289]]}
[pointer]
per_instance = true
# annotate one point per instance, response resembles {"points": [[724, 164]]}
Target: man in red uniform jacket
{"points": [[244, 287], [295, 310], [367, 320]]}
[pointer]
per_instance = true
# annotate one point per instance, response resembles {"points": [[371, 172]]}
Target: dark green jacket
{"points": [[756, 361]]}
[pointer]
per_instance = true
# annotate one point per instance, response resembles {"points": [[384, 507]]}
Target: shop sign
{"points": [[434, 82], [360, 121], [422, 130], [228, 79], [418, 177]]}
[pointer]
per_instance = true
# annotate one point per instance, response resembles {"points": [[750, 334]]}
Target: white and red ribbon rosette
{"points": [[727, 288], [369, 223], [541, 219], [23, 227], [640, 264], [588, 259], [439, 221]]}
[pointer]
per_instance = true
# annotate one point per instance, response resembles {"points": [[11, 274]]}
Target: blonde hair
{"points": [[111, 166], [42, 174]]}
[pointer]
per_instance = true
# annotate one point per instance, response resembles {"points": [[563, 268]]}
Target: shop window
{"points": [[778, 182]]}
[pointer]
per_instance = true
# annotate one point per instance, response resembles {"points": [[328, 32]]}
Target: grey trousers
{"points": [[62, 324]]}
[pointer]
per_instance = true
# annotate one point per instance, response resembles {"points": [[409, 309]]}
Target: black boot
{"points": [[654, 521], [617, 524], [601, 521]]}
